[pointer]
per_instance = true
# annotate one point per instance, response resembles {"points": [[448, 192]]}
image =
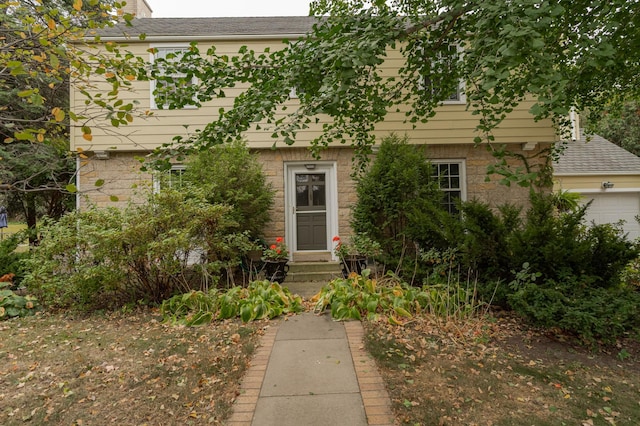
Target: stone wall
{"points": [[476, 161], [123, 179]]}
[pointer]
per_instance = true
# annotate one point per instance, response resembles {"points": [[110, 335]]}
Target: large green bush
{"points": [[551, 267], [561, 245], [106, 257], [400, 204], [485, 241], [547, 264], [230, 174], [592, 313]]}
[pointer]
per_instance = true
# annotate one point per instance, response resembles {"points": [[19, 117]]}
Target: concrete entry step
{"points": [[313, 271], [305, 289]]}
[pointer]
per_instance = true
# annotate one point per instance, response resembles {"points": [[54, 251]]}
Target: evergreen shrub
{"points": [[400, 205], [230, 174]]}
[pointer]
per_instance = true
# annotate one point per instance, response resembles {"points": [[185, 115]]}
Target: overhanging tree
{"points": [[43, 45], [620, 123], [564, 55], [37, 172]]}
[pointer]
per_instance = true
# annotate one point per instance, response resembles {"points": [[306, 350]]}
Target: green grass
{"points": [[13, 228]]}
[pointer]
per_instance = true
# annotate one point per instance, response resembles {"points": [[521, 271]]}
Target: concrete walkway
{"points": [[310, 370]]}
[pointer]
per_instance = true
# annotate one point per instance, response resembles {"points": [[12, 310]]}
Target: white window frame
{"points": [[462, 98], [462, 175], [158, 177], [168, 48]]}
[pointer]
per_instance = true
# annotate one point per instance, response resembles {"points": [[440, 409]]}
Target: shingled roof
{"points": [[596, 156], [213, 27]]}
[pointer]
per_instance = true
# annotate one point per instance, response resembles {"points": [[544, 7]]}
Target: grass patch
{"points": [[116, 369], [13, 228], [497, 372]]}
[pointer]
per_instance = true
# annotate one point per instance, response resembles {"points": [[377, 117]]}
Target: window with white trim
{"points": [[170, 179], [444, 65], [171, 54], [451, 177]]}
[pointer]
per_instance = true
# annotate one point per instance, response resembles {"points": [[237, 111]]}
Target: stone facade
{"points": [[477, 158], [124, 180]]}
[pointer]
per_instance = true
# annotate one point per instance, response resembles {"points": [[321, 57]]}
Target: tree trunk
{"points": [[31, 214]]}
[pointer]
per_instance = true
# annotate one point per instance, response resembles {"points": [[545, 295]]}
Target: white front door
{"points": [[311, 206]]}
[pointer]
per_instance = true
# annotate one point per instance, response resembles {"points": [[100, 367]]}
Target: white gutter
{"points": [[612, 173], [165, 38]]}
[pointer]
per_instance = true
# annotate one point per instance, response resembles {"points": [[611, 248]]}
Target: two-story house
{"points": [[314, 197]]}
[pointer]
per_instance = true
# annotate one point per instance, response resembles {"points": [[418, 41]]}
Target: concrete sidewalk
{"points": [[310, 370]]}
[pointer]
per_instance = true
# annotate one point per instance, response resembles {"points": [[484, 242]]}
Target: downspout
{"points": [[78, 183]]}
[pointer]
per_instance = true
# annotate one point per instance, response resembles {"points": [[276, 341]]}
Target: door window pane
{"points": [[311, 191], [302, 195]]}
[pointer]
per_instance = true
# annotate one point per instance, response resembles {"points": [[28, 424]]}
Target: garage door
{"points": [[612, 207]]}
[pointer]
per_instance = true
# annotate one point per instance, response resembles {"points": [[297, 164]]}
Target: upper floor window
{"points": [[161, 90], [451, 177], [439, 69]]}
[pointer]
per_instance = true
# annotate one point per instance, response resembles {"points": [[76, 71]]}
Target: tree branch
{"points": [[453, 14]]}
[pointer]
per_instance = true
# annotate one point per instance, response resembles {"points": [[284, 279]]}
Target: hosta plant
{"points": [[14, 305], [390, 298], [191, 309], [359, 296], [261, 299]]}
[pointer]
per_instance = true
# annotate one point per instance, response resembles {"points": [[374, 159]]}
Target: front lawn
{"points": [[120, 369], [500, 372], [131, 369]]}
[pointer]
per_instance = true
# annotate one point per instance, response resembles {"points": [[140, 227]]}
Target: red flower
{"points": [[277, 251], [336, 238]]}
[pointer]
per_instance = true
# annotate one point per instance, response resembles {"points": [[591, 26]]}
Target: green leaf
{"points": [[23, 136], [25, 93], [71, 188], [54, 61], [246, 312], [200, 318]]}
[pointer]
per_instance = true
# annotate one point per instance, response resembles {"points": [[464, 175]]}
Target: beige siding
{"points": [[594, 182], [452, 125]]}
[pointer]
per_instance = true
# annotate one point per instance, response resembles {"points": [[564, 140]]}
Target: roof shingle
{"points": [[214, 27], [596, 156]]}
